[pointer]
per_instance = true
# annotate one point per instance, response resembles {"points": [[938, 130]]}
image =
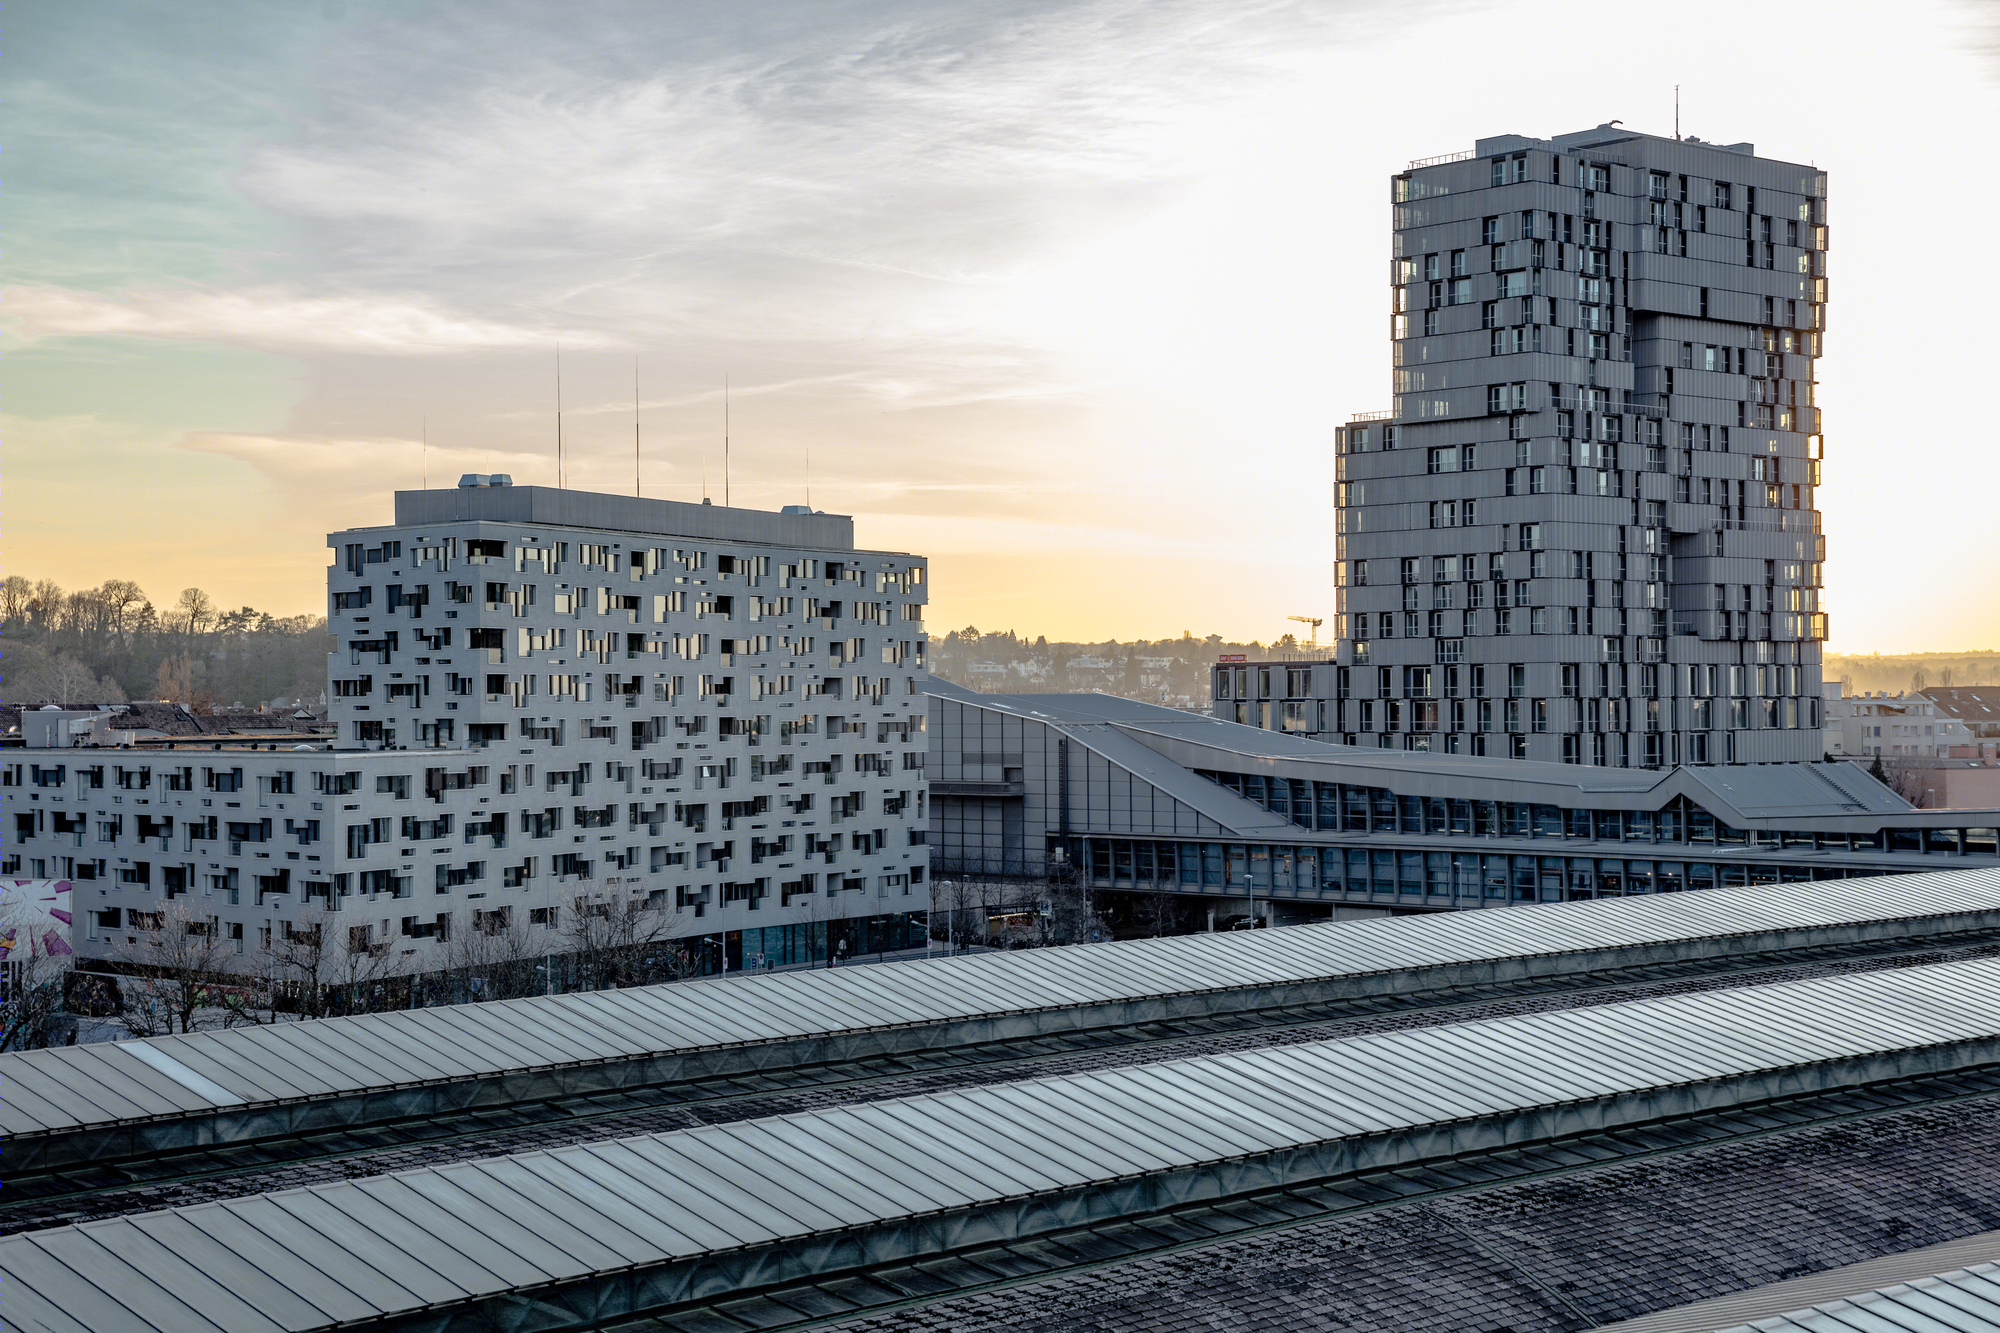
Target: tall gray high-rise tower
{"points": [[1586, 532]]}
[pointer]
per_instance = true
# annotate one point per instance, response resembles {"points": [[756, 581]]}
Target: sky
{"points": [[1069, 297]]}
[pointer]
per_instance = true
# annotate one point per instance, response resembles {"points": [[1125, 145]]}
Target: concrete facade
{"points": [[539, 698], [1586, 531]]}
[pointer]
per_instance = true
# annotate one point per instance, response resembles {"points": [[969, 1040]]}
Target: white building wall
{"points": [[729, 728], [1886, 724]]}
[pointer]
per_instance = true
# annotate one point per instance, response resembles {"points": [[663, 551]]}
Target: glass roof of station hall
{"points": [[70, 1088], [629, 1215]]}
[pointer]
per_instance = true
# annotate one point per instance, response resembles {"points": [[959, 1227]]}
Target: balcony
{"points": [[1613, 406], [1786, 521], [1418, 164]]}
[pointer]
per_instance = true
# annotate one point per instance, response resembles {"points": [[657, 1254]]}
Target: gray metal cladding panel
{"points": [[310, 1258], [72, 1087], [1226, 808], [545, 506], [1966, 1301]]}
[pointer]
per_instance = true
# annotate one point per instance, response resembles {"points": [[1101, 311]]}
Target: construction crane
{"points": [[1312, 640]]}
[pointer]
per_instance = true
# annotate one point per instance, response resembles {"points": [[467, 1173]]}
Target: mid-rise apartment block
{"points": [[1935, 724], [1586, 530], [541, 699]]}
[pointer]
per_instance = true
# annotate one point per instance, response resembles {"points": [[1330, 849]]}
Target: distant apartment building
{"points": [[542, 701], [1976, 708], [1586, 531], [1937, 724]]}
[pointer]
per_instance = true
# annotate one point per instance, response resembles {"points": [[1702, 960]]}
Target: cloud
{"points": [[851, 192], [278, 318], [1005, 538], [351, 478]]}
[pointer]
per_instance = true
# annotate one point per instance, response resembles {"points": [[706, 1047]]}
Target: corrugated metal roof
{"points": [[1776, 791], [1742, 1309], [1225, 807], [1746, 792], [307, 1259], [71, 1087], [1966, 1301]]}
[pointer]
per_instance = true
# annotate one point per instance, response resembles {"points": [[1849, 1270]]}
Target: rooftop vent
{"points": [[475, 480]]}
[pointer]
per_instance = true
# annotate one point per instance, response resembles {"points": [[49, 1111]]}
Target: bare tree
{"points": [[45, 603], [62, 680], [1914, 782], [37, 984], [16, 593], [1159, 912], [361, 971], [1073, 915], [496, 958], [184, 976], [820, 907], [179, 681], [1920, 680], [668, 959], [300, 960], [606, 934], [958, 911], [121, 600], [193, 613]]}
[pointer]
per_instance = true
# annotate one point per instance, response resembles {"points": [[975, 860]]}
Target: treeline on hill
{"points": [[1175, 671], [1168, 671], [1892, 673], [110, 644]]}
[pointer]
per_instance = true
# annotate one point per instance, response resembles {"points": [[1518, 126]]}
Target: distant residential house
{"points": [[1976, 708], [1900, 724]]}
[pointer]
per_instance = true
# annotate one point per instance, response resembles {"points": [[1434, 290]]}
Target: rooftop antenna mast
{"points": [[427, 451], [560, 470], [809, 476], [635, 425], [725, 439], [1677, 113]]}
